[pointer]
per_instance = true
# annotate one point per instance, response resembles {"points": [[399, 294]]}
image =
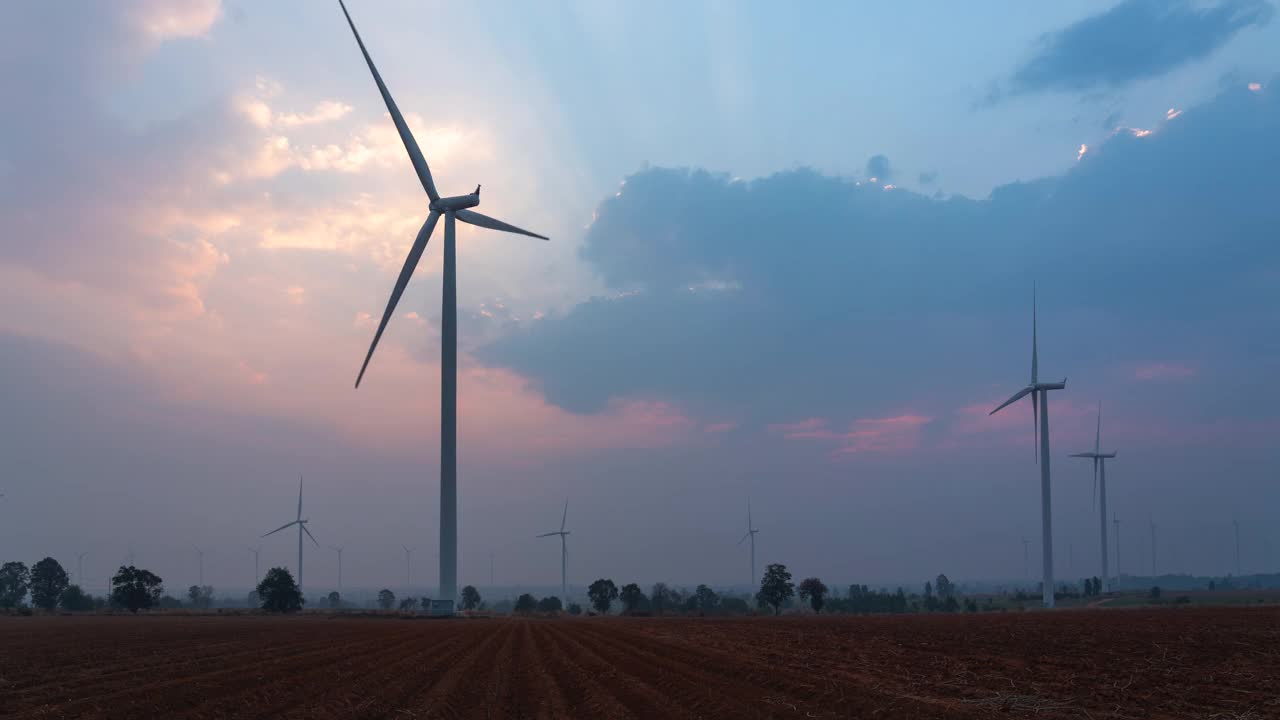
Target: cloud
{"points": [[868, 302], [1134, 40]]}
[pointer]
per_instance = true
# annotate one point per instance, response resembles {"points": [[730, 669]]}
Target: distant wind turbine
{"points": [[1039, 393], [1152, 522], [564, 552], [256, 576], [338, 549], [1026, 559], [1117, 523], [453, 208], [1100, 490], [1235, 523], [302, 528], [751, 535], [200, 556], [80, 567], [408, 558]]}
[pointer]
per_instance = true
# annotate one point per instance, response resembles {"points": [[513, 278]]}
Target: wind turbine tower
{"points": [[408, 563], [302, 528], [1039, 392], [1117, 522], [564, 553], [80, 567], [751, 535], [200, 558], [1236, 525], [1100, 493], [338, 549], [1152, 522], [257, 577], [453, 209]]}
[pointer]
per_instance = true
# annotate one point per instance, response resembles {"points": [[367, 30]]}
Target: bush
{"points": [[279, 592]]}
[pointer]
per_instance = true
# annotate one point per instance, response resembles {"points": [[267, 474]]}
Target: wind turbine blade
{"points": [[1035, 362], [1097, 438], [749, 524], [744, 537], [1095, 482], [308, 532], [1016, 397], [565, 516], [547, 534], [410, 145], [299, 497], [474, 218], [406, 272], [273, 532]]}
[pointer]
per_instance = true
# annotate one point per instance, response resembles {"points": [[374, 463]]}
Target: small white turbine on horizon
{"points": [[408, 563], [751, 535], [1100, 491], [200, 557], [564, 553], [1039, 392], [302, 528], [256, 577], [453, 209], [338, 549]]}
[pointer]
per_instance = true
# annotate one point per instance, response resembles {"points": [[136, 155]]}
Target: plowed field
{"points": [[1194, 663]]}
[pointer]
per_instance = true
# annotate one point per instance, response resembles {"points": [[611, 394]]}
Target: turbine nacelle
{"points": [[457, 202]]}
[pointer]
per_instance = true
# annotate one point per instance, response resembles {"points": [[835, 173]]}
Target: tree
{"points": [[15, 578], [944, 587], [705, 599], [48, 580], [279, 592], [1155, 592], [526, 604], [776, 587], [470, 598], [386, 599], [815, 592], [407, 603], [136, 589], [200, 596], [631, 596], [575, 609], [660, 598], [426, 604], [335, 600], [602, 593], [73, 599], [549, 604]]}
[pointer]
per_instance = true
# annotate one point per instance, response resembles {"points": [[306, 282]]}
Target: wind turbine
{"points": [[1117, 522], [1039, 393], [453, 209], [80, 567], [200, 555], [1100, 490], [256, 576], [1026, 559], [1152, 522], [302, 528], [338, 549], [751, 535], [1235, 523], [408, 556], [564, 552]]}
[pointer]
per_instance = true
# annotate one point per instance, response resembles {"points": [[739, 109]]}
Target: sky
{"points": [[792, 260]]}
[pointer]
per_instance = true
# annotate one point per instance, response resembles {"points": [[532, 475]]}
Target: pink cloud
{"points": [[896, 432], [811, 428], [720, 427], [1163, 371]]}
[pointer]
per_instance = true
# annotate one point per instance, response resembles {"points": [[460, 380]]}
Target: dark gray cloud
{"points": [[1136, 39], [801, 295], [878, 167]]}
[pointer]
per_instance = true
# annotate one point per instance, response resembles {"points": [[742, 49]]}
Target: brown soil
{"points": [[1181, 663]]}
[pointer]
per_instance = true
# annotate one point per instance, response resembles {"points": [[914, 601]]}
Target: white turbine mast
{"points": [[200, 559], [338, 549], [1039, 392], [257, 578], [751, 536], [564, 552], [453, 209], [1100, 493], [408, 562], [302, 528]]}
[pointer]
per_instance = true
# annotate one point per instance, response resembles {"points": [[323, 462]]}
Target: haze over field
{"points": [[792, 258]]}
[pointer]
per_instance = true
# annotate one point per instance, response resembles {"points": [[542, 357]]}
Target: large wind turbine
{"points": [[1039, 393], [453, 208], [256, 577], [302, 528], [564, 552], [1100, 490], [408, 563], [751, 535]]}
